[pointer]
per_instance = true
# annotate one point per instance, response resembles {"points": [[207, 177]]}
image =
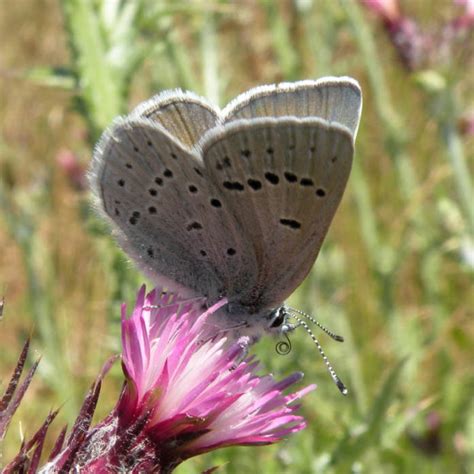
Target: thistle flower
{"points": [[194, 393], [417, 48], [185, 394], [411, 43]]}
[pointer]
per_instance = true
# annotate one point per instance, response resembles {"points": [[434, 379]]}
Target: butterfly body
{"points": [[233, 203]]}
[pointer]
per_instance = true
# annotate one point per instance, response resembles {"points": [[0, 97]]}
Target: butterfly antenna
{"points": [[332, 335], [340, 385]]}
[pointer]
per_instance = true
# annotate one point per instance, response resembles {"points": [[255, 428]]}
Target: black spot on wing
{"points": [[255, 184], [306, 182], [291, 223], [134, 217], [224, 163], [272, 178], [194, 226], [233, 185]]}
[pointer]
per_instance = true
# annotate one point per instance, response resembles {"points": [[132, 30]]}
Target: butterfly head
{"points": [[278, 321]]}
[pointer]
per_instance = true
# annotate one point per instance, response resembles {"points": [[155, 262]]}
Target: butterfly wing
{"points": [[183, 114], [244, 212], [165, 212], [333, 99], [283, 177]]}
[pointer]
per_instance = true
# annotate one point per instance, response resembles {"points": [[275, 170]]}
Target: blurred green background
{"points": [[394, 276]]}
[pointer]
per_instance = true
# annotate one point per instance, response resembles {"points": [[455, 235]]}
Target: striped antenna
{"points": [[340, 385], [317, 323]]}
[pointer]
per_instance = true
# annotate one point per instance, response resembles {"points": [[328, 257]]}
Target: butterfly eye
{"points": [[278, 318]]}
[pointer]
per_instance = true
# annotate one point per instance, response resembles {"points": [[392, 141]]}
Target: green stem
{"points": [[368, 221], [210, 59], [101, 88], [462, 177], [282, 41]]}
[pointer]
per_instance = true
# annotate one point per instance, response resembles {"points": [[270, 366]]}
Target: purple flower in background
{"points": [[411, 44], [72, 168], [185, 394], [418, 48], [466, 123], [466, 20]]}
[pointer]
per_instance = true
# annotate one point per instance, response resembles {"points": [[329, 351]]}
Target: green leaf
{"points": [[60, 77]]}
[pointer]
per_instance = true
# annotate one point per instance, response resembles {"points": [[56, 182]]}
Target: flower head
{"points": [[198, 394]]}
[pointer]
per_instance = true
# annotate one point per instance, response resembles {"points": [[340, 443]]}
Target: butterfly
{"points": [[230, 203]]}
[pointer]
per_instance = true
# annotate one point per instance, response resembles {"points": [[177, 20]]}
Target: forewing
{"points": [[282, 179], [164, 208]]}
